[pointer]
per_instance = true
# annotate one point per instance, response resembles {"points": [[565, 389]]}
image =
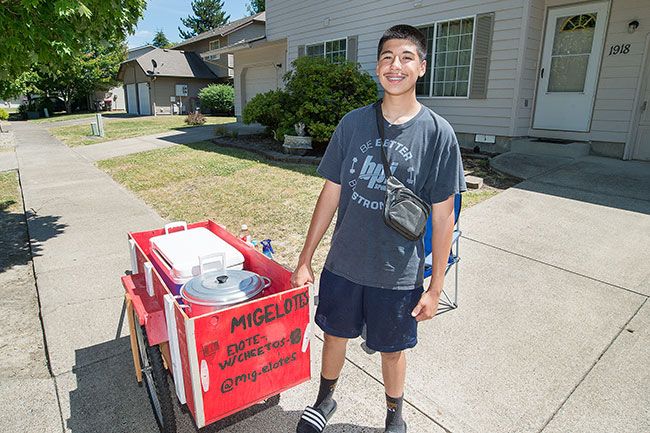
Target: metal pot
{"points": [[215, 290]]}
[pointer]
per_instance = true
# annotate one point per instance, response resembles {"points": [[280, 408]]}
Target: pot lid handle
{"points": [[212, 262]]}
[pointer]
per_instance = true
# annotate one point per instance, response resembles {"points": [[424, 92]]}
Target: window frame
{"points": [[210, 48], [324, 44], [431, 61]]}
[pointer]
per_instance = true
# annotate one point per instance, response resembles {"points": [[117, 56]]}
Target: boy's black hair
{"points": [[404, 31]]}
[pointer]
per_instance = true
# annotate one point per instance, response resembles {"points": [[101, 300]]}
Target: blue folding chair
{"points": [[446, 302]]}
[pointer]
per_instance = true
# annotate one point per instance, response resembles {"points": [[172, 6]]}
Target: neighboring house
{"points": [[208, 44], [184, 69], [163, 81], [259, 64], [501, 70], [116, 96]]}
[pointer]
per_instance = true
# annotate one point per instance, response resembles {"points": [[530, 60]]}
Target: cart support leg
{"points": [[166, 356], [134, 342]]}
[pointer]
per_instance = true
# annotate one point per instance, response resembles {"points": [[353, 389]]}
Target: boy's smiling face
{"points": [[399, 66]]}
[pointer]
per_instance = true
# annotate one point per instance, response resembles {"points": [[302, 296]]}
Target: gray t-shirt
{"points": [[424, 154]]}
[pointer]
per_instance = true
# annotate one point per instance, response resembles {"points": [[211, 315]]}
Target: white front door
{"points": [[568, 73], [642, 138], [143, 97], [132, 99]]}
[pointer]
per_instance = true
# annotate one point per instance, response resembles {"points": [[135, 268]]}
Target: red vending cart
{"points": [[220, 361]]}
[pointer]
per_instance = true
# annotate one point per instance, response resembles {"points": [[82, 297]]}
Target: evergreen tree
{"points": [[208, 14], [256, 6], [160, 40]]}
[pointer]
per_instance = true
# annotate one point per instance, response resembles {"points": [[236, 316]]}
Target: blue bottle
{"points": [[267, 249]]}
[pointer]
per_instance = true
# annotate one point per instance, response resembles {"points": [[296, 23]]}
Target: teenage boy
{"points": [[373, 276]]}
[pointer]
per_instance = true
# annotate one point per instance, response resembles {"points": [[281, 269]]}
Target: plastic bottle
{"points": [[245, 235]]}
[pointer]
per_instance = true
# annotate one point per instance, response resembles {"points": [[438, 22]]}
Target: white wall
{"points": [[368, 19], [619, 75]]}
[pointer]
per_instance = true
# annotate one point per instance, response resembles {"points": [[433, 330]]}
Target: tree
{"points": [[256, 6], [94, 69], [160, 40], [52, 32], [208, 14]]}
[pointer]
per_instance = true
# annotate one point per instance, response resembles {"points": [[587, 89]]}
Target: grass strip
{"points": [[115, 128]]}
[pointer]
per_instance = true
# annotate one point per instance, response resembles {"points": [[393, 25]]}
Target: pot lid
{"points": [[223, 287]]}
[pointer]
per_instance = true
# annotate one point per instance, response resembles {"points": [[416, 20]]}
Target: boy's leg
{"points": [[390, 330], [333, 356], [332, 364], [340, 316], [393, 369]]}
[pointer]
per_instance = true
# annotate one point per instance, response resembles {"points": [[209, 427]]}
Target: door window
{"points": [[573, 39]]}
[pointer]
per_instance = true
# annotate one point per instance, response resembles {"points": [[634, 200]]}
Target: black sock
{"points": [[394, 411], [326, 390]]}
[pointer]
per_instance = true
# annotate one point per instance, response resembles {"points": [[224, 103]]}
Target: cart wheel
{"points": [[155, 379]]}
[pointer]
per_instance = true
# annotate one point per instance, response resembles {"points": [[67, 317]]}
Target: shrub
{"points": [[195, 118], [321, 93], [318, 93], [217, 98], [266, 109], [4, 114]]}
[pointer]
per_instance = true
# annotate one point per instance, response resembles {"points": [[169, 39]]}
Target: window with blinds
{"points": [[455, 68]]}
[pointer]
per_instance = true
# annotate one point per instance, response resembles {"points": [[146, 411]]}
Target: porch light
{"points": [[632, 26]]}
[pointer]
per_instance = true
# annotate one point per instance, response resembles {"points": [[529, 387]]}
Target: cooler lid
{"points": [[181, 250]]}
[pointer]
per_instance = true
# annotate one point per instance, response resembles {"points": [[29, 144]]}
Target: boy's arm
{"points": [[328, 201], [442, 217]]}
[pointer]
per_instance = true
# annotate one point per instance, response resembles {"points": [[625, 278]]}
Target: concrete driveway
{"points": [[552, 333]]}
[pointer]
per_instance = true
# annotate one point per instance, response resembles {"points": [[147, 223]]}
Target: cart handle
{"points": [[175, 224]]}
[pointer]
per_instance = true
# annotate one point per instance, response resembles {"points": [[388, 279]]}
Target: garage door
{"points": [[260, 79], [132, 101], [143, 98]]}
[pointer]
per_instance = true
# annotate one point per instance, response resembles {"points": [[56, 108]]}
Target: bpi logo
{"points": [[374, 173]]}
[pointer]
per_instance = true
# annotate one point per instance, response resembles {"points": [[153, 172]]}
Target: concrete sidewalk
{"points": [[126, 146], [552, 333]]}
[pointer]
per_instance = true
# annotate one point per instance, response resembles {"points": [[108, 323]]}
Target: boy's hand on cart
{"points": [[302, 275], [427, 307]]}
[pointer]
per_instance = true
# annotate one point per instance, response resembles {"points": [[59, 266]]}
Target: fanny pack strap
{"points": [[380, 127]]}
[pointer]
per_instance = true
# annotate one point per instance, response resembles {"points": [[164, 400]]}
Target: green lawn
{"points": [[116, 128], [231, 186], [9, 193], [60, 117]]}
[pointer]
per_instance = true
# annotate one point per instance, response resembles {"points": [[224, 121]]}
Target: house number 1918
{"points": [[619, 49]]}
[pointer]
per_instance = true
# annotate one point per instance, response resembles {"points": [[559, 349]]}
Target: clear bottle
{"points": [[245, 234]]}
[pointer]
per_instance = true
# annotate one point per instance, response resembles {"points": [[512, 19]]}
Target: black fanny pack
{"points": [[404, 211]]}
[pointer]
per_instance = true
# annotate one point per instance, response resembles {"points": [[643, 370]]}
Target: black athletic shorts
{"points": [[345, 307]]}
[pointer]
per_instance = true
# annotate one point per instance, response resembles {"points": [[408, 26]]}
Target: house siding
{"points": [[517, 43], [251, 31], [218, 67], [165, 87], [369, 19], [617, 83]]}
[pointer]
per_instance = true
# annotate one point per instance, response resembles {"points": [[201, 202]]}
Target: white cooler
{"points": [[178, 256]]}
